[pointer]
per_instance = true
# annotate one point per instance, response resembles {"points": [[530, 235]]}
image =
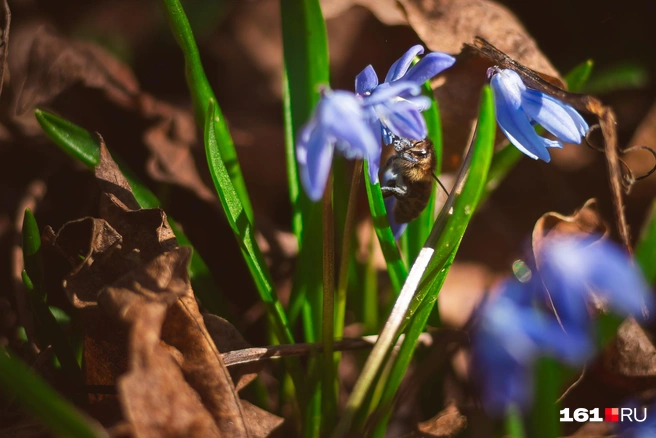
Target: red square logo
{"points": [[612, 415]]}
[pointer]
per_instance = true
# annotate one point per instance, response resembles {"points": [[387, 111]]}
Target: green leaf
{"points": [[625, 76], [48, 331], [202, 94], [513, 423], [306, 68], [84, 147], [431, 262], [505, 159], [445, 239], [395, 267], [645, 251], [243, 231], [43, 402]]}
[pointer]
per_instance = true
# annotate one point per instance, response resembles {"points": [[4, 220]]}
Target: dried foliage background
{"points": [[113, 67]]}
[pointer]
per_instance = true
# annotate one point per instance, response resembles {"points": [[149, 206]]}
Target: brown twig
{"points": [[256, 354]]}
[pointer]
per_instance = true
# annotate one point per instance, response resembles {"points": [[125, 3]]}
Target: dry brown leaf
{"points": [[587, 221], [145, 332], [632, 353], [54, 64], [641, 161], [227, 338], [386, 11], [259, 422], [445, 25], [464, 288], [446, 424], [5, 24]]}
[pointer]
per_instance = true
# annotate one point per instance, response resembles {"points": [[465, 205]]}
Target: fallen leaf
{"points": [[632, 352], [386, 11], [446, 424], [145, 333], [259, 422], [586, 221], [54, 64]]}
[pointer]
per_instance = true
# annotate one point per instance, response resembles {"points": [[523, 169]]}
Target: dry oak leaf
{"points": [[448, 423]]}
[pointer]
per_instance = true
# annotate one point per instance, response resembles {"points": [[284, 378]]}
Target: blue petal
{"points": [[514, 123], [397, 229], [429, 66], [560, 119], [403, 119], [574, 267], [366, 81], [385, 92], [422, 103], [342, 116], [314, 154], [398, 69]]}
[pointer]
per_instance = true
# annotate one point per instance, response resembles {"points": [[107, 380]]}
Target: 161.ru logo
{"points": [[612, 415]]}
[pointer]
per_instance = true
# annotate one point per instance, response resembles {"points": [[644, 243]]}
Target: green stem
{"points": [[329, 396]]}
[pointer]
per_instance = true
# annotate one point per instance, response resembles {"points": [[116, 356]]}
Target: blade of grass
{"points": [[433, 257], [243, 231], [505, 159], [83, 146], [43, 402], [305, 52], [48, 331], [202, 94], [446, 240], [395, 267], [645, 251], [513, 424]]}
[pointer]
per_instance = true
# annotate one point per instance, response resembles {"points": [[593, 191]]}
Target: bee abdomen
{"points": [[407, 210]]}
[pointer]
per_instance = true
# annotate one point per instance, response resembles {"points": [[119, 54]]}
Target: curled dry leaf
{"points": [[144, 331], [54, 64], [446, 424], [586, 220]]}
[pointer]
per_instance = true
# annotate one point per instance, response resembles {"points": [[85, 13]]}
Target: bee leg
{"points": [[399, 192], [408, 157]]}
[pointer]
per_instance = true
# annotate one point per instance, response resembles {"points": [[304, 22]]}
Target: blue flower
{"points": [[395, 105], [513, 333], [518, 108], [338, 121], [572, 268], [515, 327]]}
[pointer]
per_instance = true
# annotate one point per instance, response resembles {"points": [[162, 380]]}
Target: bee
{"points": [[408, 176]]}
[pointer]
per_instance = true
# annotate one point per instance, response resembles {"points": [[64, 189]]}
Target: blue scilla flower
{"points": [[339, 120], [572, 268], [518, 108], [513, 333], [515, 327], [395, 104]]}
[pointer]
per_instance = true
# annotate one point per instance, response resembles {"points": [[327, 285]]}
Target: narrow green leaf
{"points": [[395, 267], [305, 51], [243, 231], [513, 424], [84, 147], [43, 402], [625, 76], [543, 420], [645, 251], [445, 236], [202, 94], [505, 159], [445, 239], [32, 257], [48, 331]]}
